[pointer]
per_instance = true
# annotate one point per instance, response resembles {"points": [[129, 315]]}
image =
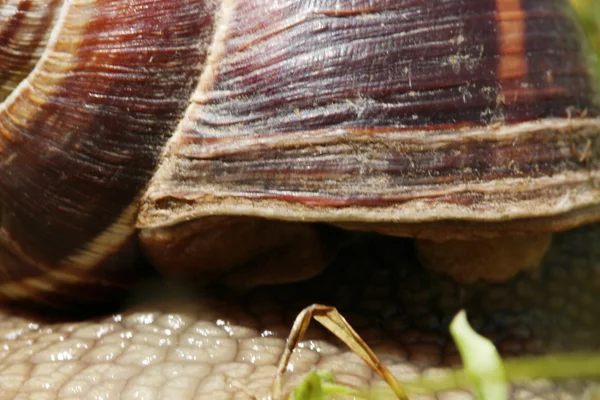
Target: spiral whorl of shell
{"points": [[96, 88], [24, 31]]}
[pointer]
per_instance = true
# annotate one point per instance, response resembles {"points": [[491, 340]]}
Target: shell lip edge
{"points": [[412, 219]]}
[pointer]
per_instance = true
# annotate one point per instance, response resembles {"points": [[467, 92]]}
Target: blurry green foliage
{"points": [[589, 12]]}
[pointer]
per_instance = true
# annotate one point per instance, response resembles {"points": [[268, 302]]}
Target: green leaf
{"points": [[318, 385], [482, 363]]}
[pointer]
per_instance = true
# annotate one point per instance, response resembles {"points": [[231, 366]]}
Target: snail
{"points": [[208, 135]]}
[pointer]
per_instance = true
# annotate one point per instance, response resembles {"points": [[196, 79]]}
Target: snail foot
{"points": [[241, 253], [491, 260]]}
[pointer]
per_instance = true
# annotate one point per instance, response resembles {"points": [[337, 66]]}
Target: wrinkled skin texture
{"points": [[191, 344]]}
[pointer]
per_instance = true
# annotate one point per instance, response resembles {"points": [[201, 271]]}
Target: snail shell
{"points": [[24, 29], [81, 136], [455, 119], [436, 120], [391, 112]]}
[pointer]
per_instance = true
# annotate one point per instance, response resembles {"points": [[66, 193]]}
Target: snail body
{"points": [[217, 130]]}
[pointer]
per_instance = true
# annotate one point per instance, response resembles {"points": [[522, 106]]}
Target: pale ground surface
{"points": [[183, 346]]}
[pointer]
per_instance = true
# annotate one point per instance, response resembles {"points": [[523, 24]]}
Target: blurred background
{"points": [[589, 11]]}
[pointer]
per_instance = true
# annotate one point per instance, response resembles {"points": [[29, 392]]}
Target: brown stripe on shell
{"points": [[350, 111], [511, 40], [25, 27], [559, 79], [81, 136]]}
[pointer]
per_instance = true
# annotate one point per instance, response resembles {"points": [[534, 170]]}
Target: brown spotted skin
{"points": [[395, 112], [81, 136], [179, 342]]}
